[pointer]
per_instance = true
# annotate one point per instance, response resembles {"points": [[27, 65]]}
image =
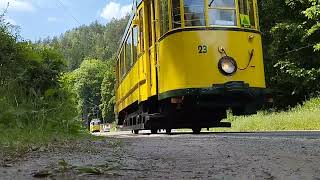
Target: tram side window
{"points": [[222, 12], [135, 43], [129, 61], [164, 17], [141, 35], [117, 72], [194, 13], [122, 60], [176, 15], [246, 9]]}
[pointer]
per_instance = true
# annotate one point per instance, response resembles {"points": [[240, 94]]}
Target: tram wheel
{"points": [[196, 130]]}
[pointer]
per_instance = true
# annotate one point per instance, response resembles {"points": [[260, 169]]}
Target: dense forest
{"points": [[90, 53], [53, 83]]}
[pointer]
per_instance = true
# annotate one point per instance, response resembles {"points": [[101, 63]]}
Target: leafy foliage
{"points": [[291, 37], [89, 51], [32, 99], [88, 79], [95, 41], [107, 93]]}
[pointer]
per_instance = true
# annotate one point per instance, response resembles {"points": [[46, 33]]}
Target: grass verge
{"points": [[15, 143], [302, 117]]}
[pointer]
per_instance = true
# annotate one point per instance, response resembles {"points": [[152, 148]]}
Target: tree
{"points": [[108, 93], [87, 86], [313, 15], [94, 41], [292, 65]]}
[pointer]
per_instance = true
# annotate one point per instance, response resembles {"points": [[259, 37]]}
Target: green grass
{"points": [[29, 121], [302, 117], [16, 142]]}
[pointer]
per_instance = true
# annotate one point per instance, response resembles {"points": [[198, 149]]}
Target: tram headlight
{"points": [[227, 65]]}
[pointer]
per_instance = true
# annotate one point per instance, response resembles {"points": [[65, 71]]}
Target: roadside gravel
{"points": [[288, 155]]}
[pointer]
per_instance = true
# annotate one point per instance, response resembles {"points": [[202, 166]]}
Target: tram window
{"points": [[122, 60], [222, 12], [164, 17], [176, 15], [117, 72], [135, 43], [194, 13], [141, 35], [128, 52], [246, 9]]}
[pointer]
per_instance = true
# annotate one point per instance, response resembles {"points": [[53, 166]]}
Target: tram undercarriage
{"points": [[194, 108]]}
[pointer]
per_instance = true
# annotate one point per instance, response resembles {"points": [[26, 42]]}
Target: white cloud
{"points": [[17, 5], [53, 19], [115, 10]]}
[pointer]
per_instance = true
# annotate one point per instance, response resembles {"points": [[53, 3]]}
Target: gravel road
{"points": [[281, 155]]}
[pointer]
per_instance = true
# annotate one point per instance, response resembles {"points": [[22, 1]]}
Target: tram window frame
{"points": [[117, 72], [164, 16], [141, 31], [135, 32], [247, 10], [189, 20], [128, 52], [122, 60], [176, 14], [221, 8]]}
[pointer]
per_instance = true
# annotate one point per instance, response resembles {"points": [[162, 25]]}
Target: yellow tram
{"points": [[183, 63]]}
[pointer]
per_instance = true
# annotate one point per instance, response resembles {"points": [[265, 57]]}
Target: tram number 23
{"points": [[202, 49]]}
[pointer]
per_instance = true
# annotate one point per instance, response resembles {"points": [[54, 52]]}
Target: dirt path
{"points": [[181, 156]]}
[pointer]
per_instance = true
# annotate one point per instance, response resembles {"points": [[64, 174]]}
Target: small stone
{"points": [[8, 159], [42, 174], [42, 149], [8, 165], [34, 148]]}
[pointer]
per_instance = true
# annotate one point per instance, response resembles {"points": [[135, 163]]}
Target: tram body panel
{"points": [[182, 65]]}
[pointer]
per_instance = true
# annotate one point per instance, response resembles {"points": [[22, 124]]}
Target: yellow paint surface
{"points": [[182, 66]]}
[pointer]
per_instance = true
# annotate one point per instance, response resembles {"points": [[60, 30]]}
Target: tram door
{"points": [[152, 46]]}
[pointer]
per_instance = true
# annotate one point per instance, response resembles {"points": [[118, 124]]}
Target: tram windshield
{"points": [[222, 13], [174, 14], [194, 13]]}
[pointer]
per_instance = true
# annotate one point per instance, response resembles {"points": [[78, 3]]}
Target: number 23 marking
{"points": [[202, 49]]}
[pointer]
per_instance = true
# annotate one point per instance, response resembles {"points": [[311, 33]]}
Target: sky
{"points": [[42, 18]]}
